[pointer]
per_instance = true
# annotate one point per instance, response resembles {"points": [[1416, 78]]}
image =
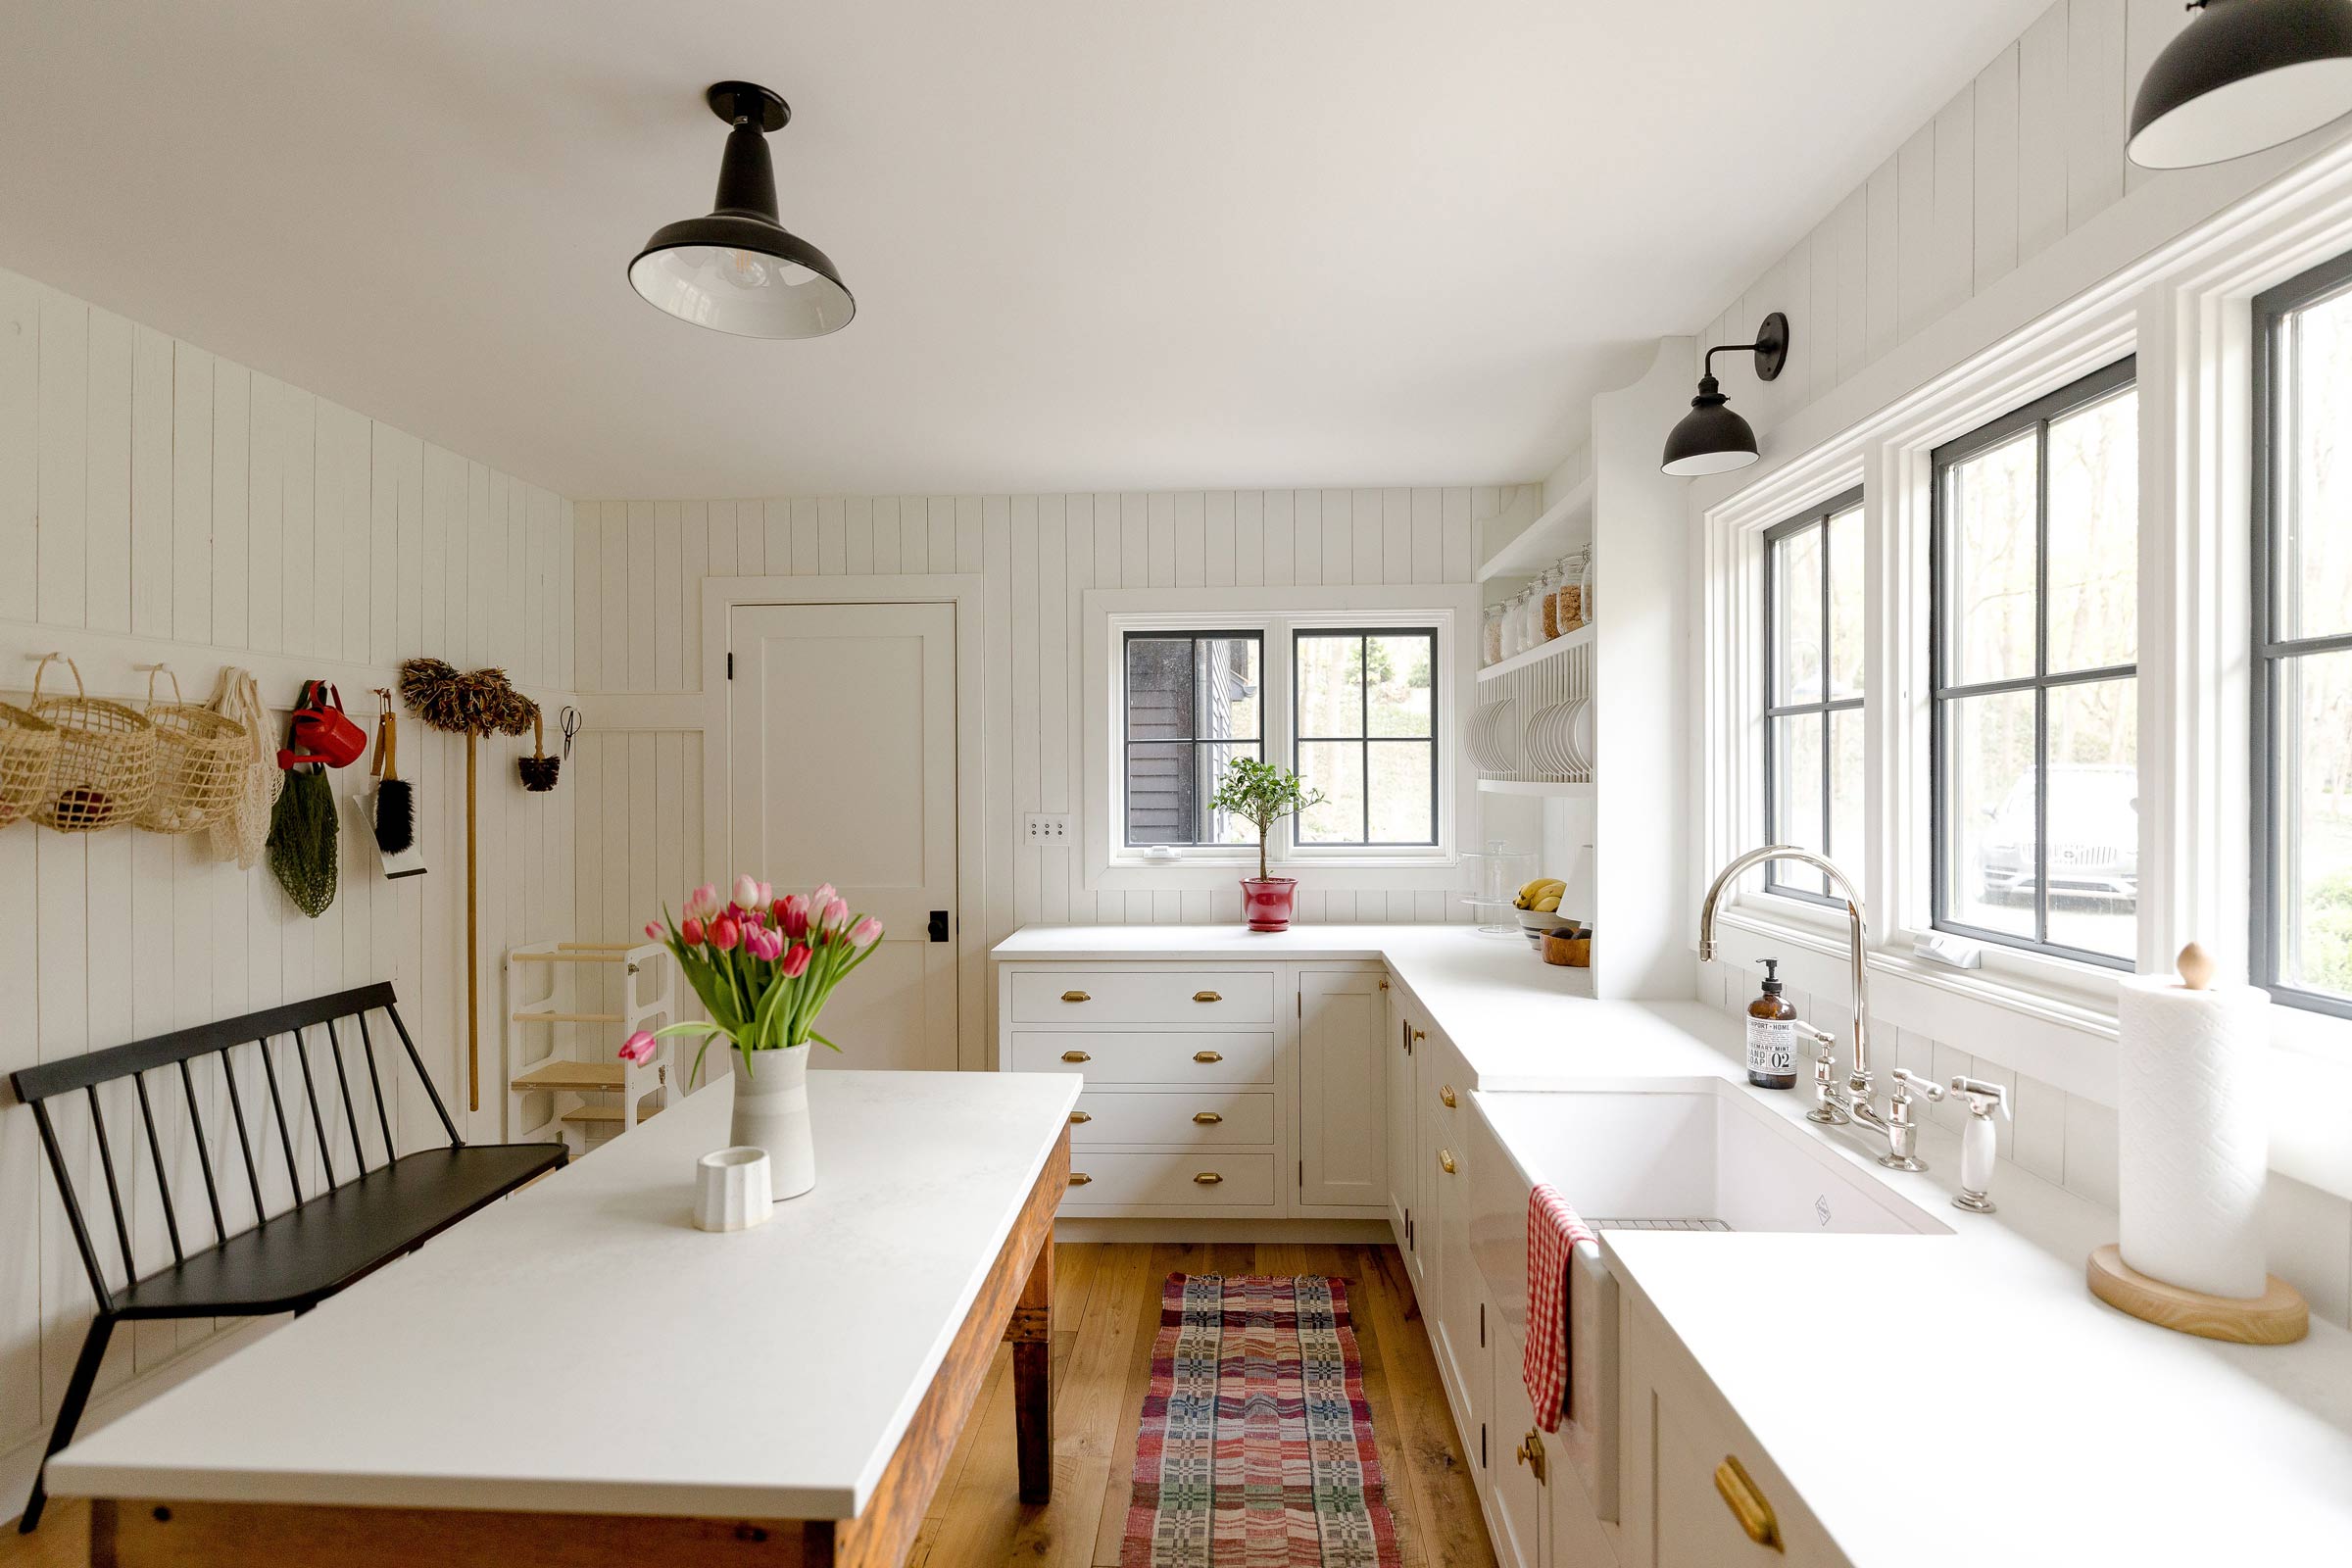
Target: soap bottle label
{"points": [[1772, 1045]]}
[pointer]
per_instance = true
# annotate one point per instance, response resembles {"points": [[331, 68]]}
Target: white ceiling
{"points": [[1094, 243]]}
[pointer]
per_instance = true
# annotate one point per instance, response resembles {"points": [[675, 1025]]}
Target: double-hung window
{"points": [[2033, 658], [1813, 630], [1194, 700], [2302, 641], [1366, 735]]}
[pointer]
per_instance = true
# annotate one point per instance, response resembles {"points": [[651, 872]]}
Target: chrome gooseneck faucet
{"points": [[1833, 1106]]}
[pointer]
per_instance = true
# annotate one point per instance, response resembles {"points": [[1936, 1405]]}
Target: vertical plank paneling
{"points": [[1915, 232], [2094, 136], [106, 549], [1955, 203], [1994, 170], [265, 525], [1885, 269], [63, 347], [229, 562], [1250, 538], [191, 495], [20, 461], [2042, 125]]}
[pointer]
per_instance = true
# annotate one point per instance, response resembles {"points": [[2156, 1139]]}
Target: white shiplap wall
{"points": [[160, 503], [2027, 154], [640, 569]]}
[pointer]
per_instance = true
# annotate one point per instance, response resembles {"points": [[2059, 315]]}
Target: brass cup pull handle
{"points": [[1076, 996], [1076, 1055], [1208, 1118], [1445, 1096], [1207, 1178], [1529, 1453], [1079, 1178], [1207, 995], [1208, 1056], [1081, 1118], [1446, 1160], [1756, 1519], [1420, 1035]]}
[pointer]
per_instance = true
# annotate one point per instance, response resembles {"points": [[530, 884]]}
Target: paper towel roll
{"points": [[2192, 1133]]}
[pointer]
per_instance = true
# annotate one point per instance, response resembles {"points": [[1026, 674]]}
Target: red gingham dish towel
{"points": [[1553, 1232]]}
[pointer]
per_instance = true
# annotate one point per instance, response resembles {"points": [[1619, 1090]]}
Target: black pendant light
{"points": [[739, 270], [1711, 438], [2244, 75]]}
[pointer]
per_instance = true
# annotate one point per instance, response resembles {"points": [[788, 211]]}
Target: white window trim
{"points": [[1276, 613], [2182, 306]]}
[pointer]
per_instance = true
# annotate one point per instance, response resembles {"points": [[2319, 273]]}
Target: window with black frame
{"points": [[1365, 717], [2034, 653], [1813, 631], [2302, 625], [1191, 702]]}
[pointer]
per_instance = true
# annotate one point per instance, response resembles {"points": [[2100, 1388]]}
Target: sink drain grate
{"points": [[1658, 1225]]}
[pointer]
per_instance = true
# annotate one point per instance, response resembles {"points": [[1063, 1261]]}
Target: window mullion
{"points": [[2042, 675]]}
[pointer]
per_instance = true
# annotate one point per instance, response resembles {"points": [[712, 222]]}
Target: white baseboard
{"points": [[20, 1464]]}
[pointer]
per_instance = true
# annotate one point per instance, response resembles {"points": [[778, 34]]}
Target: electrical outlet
{"points": [[1049, 828]]}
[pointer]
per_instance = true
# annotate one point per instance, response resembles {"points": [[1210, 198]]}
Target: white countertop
{"points": [[1936, 1399], [582, 1348]]}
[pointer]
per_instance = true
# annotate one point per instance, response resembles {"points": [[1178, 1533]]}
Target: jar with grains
{"points": [[1548, 604], [1490, 636]]}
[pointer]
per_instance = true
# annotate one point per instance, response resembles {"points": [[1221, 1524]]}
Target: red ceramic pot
{"points": [[1266, 902]]}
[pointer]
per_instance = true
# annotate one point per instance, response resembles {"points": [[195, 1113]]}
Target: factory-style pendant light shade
{"points": [[740, 270], [2244, 75], [1711, 438]]}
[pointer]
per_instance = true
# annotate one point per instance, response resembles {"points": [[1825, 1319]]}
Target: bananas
{"points": [[1543, 895]]}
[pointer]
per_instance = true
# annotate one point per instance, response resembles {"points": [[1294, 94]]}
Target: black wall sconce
{"points": [[2244, 75], [740, 270], [1711, 438]]}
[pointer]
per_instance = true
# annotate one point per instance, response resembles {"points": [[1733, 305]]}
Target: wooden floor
{"points": [[1106, 1313]]}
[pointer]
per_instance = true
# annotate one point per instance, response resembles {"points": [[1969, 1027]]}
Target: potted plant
{"points": [[764, 968], [1262, 794]]}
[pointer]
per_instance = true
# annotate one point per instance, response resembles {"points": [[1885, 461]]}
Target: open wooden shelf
{"points": [[1558, 529], [646, 1111], [1580, 638], [585, 1077]]}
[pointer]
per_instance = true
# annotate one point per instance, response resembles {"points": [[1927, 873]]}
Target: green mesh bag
{"points": [[302, 841]]}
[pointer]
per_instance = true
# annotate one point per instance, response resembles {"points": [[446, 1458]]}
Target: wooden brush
{"points": [[395, 796]]}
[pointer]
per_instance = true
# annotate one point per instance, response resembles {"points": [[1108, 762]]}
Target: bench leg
{"points": [[69, 1414]]}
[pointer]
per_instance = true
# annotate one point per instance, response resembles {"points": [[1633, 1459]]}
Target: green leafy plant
{"points": [[1262, 794]]}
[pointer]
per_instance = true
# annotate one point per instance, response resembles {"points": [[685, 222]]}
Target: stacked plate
{"points": [[1560, 739], [1492, 738]]}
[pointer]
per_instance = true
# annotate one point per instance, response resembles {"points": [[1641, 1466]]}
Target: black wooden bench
{"points": [[356, 1220]]}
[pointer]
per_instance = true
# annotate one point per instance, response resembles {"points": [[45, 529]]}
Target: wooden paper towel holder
{"points": [[2277, 1316]]}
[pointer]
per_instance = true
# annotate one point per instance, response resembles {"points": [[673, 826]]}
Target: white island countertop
{"points": [[1936, 1399], [582, 1348]]}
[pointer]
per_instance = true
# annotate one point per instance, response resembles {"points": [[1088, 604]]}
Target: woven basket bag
{"points": [[239, 833], [105, 758], [199, 758], [28, 759]]}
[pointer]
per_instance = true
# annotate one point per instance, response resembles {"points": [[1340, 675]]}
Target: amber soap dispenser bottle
{"points": [[1772, 1035]]}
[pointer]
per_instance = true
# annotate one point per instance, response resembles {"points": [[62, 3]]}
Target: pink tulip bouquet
{"points": [[762, 966]]}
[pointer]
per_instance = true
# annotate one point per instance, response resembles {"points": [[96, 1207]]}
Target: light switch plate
{"points": [[1047, 828]]}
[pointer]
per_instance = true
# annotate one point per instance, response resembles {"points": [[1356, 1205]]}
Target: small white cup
{"points": [[731, 1191]]}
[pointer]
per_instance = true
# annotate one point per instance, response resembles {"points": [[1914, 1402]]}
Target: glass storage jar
{"points": [[1490, 636]]}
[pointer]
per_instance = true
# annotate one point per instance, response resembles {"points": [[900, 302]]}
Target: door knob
{"points": [[1531, 1455], [939, 926]]}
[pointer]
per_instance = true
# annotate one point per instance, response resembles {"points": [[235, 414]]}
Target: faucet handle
{"points": [[1983, 1099], [1908, 1083]]}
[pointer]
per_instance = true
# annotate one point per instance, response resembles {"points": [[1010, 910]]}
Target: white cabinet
{"points": [[1520, 1462], [1342, 1120], [1404, 1149], [1699, 1493]]}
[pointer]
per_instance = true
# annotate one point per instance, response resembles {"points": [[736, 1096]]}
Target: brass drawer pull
{"points": [[1079, 1178], [1420, 1035], [1207, 1118], [1076, 1055], [1531, 1455], [1446, 1160], [1207, 1178], [1445, 1096], [1207, 995], [1081, 1118], [1076, 996], [1208, 1056], [1747, 1505]]}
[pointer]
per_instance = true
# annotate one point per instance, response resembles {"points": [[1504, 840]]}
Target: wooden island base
{"points": [[1015, 1303]]}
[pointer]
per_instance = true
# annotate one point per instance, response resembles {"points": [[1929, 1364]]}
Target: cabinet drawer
{"points": [[1142, 995], [1171, 1180], [1209, 1118], [1234, 1057]]}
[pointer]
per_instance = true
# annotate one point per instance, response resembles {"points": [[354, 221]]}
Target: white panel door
{"points": [[842, 769], [1342, 1120]]}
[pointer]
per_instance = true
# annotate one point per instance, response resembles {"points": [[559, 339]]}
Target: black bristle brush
{"points": [[395, 796]]}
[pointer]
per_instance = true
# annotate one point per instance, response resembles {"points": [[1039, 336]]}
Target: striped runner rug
{"points": [[1255, 1448]]}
